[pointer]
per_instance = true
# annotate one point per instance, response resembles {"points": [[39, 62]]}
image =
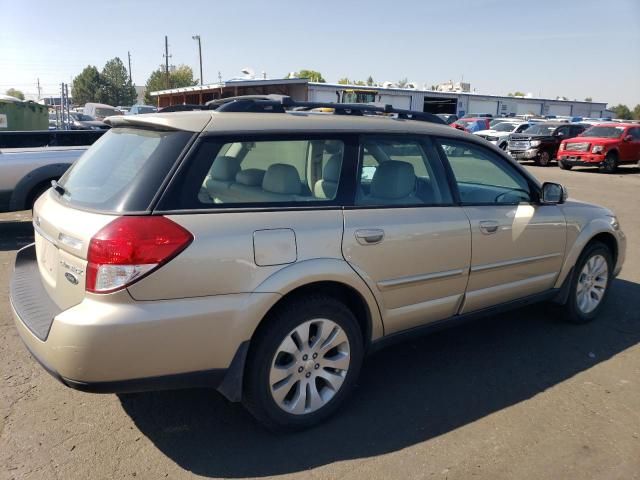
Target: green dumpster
{"points": [[18, 115]]}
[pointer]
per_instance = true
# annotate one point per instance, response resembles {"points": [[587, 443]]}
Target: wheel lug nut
{"points": [[300, 370], [315, 355], [308, 374], [305, 357], [317, 366]]}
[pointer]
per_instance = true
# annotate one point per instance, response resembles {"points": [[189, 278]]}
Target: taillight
{"points": [[130, 247]]}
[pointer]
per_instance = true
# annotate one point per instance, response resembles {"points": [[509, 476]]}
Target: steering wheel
{"points": [[500, 195]]}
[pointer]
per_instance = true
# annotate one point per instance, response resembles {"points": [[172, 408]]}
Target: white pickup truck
{"points": [[26, 173]]}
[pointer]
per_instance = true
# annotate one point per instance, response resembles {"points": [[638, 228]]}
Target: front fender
{"points": [[25, 186], [322, 270], [589, 231]]}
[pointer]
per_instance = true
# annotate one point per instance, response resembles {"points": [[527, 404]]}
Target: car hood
{"points": [[493, 133], [523, 136], [598, 140]]}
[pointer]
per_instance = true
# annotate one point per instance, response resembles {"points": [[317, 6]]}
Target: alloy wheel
{"points": [[309, 366], [592, 283]]}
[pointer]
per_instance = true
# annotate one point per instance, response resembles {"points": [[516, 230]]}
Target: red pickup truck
{"points": [[604, 146], [471, 125]]}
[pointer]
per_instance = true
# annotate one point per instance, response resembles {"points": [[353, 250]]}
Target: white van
{"points": [[100, 111]]}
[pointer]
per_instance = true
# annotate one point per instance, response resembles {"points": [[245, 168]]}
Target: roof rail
{"points": [[284, 103]]}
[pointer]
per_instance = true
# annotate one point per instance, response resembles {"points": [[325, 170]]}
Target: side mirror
{"points": [[628, 138], [553, 193]]}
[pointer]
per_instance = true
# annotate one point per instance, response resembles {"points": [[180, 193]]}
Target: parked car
{"points": [[499, 133], [471, 125], [541, 141], [448, 118], [234, 263], [123, 110], [80, 121], [604, 146], [138, 109], [100, 111]]}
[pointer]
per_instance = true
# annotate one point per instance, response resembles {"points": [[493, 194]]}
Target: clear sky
{"points": [[574, 48]]}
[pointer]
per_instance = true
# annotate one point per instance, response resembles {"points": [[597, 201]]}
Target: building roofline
{"points": [[233, 83], [445, 94]]}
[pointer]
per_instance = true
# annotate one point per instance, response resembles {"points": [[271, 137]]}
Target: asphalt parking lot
{"points": [[521, 395]]}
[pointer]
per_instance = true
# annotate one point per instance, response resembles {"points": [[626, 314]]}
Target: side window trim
{"points": [[437, 142]]}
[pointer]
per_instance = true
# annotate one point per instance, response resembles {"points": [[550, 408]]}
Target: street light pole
{"points": [[197, 37]]}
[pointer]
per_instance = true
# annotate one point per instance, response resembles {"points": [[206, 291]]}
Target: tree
{"points": [[402, 82], [370, 81], [116, 89], [344, 81], [636, 112], [179, 77], [12, 92], [360, 83], [517, 93], [622, 111], [86, 86], [588, 99], [312, 75]]}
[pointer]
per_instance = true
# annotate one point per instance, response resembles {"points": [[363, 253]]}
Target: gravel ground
{"points": [[519, 395]]}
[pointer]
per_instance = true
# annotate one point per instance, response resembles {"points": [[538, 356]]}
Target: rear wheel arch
{"points": [[342, 292], [29, 185]]}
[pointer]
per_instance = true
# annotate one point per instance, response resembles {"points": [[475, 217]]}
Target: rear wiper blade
{"points": [[58, 188]]}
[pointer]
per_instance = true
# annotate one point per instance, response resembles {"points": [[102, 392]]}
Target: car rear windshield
{"points": [[123, 171], [604, 132]]}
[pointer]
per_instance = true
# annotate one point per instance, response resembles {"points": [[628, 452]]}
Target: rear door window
{"points": [[401, 171], [123, 171]]}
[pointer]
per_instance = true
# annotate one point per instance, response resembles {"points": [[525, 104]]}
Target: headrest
{"points": [[251, 177], [225, 168], [332, 146], [282, 178], [393, 179], [331, 170]]}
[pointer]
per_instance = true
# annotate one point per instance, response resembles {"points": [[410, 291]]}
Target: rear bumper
{"points": [[581, 160], [112, 343]]}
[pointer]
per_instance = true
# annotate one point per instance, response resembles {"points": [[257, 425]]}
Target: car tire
{"points": [[543, 159], [36, 193], [610, 164], [564, 166], [293, 379], [590, 284]]}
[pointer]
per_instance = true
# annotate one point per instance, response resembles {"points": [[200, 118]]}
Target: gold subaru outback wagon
{"points": [[263, 251]]}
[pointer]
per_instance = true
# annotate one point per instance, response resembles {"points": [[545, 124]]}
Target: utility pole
{"points": [[129, 55], [39, 89], [197, 37], [166, 58]]}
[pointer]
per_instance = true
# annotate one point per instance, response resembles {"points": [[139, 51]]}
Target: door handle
{"points": [[488, 227], [369, 236]]}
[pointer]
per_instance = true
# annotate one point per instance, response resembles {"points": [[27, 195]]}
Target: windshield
{"points": [[106, 112], [541, 129], [465, 123], [123, 170], [146, 109], [604, 132], [504, 127]]}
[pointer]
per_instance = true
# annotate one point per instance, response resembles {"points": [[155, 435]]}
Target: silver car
{"points": [[264, 254]]}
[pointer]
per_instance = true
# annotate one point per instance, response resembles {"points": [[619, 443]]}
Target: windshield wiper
{"points": [[58, 188]]}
